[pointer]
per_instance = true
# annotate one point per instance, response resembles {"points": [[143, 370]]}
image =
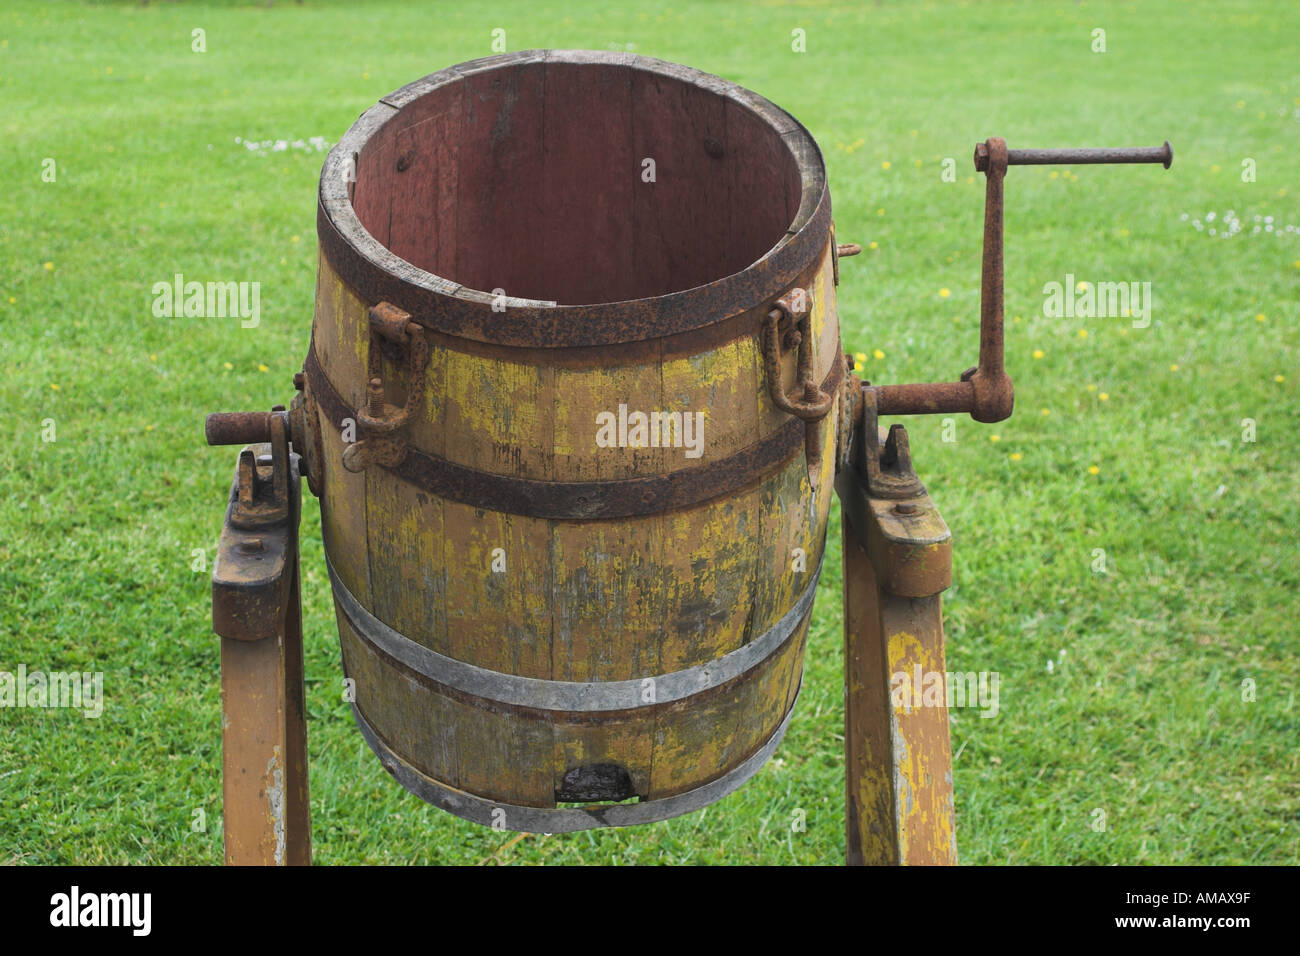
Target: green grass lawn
{"points": [[1120, 691]]}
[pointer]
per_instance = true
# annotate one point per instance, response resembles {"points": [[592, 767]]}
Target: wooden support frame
{"points": [[897, 563], [257, 611], [898, 755]]}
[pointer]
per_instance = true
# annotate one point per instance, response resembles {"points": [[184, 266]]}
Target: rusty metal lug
{"points": [[807, 401], [261, 496], [891, 513], [884, 468], [258, 543], [380, 423]]}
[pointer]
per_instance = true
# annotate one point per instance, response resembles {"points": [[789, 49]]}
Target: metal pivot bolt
{"points": [[985, 391]]}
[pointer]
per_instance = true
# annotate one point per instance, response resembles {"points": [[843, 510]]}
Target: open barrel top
{"points": [[526, 173]]}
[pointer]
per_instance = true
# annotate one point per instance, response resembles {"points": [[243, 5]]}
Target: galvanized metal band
{"points": [[581, 500], [519, 819], [445, 306], [569, 696]]}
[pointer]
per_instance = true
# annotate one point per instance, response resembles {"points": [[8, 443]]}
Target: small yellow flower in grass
{"points": [[283, 260], [1214, 168], [262, 368], [365, 76], [1016, 319], [153, 357], [1080, 285], [12, 300], [294, 238], [49, 267], [55, 387], [1104, 396], [1240, 104], [1279, 378], [860, 356], [995, 438], [885, 164], [1123, 330], [1260, 317], [880, 212], [944, 293], [1281, 192], [1083, 333], [1123, 233], [878, 354], [1038, 353], [228, 366], [874, 245], [1094, 470], [148, 428], [1173, 368], [1044, 411], [108, 70], [1016, 456], [1055, 174]]}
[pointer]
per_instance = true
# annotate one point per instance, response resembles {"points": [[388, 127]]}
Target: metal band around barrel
{"points": [[582, 500], [565, 819], [568, 696]]}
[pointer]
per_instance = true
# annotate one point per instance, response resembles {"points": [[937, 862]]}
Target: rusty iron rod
{"points": [[930, 398], [993, 396], [239, 428], [1088, 156]]}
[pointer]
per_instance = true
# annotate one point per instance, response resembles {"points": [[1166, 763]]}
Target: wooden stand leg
{"points": [[257, 610], [898, 759]]}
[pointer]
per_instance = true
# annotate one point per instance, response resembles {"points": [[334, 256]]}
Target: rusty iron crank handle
{"points": [[985, 391]]}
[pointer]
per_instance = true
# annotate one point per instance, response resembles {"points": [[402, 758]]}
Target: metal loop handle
{"points": [[380, 423], [812, 404]]}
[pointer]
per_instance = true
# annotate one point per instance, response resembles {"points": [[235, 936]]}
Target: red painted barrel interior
{"points": [[529, 179]]}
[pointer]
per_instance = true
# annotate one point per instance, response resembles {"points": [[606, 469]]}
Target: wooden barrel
{"points": [[573, 536]]}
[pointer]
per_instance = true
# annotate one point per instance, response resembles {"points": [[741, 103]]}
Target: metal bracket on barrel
{"points": [[256, 610], [787, 326], [381, 424]]}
